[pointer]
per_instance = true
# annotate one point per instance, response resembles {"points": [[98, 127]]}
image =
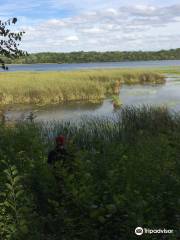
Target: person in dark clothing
{"points": [[60, 161], [58, 154], [57, 161]]}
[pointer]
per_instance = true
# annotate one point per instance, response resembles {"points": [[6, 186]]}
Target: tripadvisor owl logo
{"points": [[139, 231]]}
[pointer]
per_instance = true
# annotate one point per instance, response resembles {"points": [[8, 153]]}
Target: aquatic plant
{"points": [[116, 102], [59, 87]]}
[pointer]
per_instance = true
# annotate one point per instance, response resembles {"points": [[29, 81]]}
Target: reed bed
{"points": [[59, 87], [121, 125]]}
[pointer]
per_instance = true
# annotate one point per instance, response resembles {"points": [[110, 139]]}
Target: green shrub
{"points": [[124, 173]]}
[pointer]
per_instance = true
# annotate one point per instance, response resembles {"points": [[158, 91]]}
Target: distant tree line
{"points": [[84, 57]]}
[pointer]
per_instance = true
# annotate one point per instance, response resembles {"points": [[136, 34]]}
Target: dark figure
{"points": [[59, 154]]}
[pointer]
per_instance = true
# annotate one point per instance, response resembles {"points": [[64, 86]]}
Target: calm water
{"points": [[76, 66], [167, 94]]}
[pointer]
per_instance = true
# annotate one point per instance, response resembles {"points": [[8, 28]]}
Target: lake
{"points": [[78, 66], [167, 94]]}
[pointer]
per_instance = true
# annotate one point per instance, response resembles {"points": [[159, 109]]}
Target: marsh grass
{"points": [[168, 70], [124, 122], [59, 87]]}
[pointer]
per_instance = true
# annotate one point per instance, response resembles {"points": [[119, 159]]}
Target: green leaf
{"points": [[16, 179], [101, 219], [19, 193], [14, 20], [9, 186]]}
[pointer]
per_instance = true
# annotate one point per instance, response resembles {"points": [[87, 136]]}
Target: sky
{"points": [[95, 25]]}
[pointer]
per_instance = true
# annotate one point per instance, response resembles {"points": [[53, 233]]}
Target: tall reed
{"points": [[59, 87]]}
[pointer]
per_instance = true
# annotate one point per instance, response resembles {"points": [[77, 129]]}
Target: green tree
{"points": [[9, 42]]}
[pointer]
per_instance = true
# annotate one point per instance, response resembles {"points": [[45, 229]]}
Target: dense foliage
{"points": [[84, 57], [124, 173]]}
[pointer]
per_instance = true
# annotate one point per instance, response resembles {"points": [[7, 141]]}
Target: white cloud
{"points": [[72, 38], [92, 30], [125, 28]]}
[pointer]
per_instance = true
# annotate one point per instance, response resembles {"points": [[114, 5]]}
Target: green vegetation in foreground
{"points": [[84, 57], [58, 87], [124, 174]]}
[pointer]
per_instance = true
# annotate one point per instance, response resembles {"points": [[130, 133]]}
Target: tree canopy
{"points": [[85, 57], [9, 42]]}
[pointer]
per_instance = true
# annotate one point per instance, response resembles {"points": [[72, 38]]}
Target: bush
{"points": [[124, 174]]}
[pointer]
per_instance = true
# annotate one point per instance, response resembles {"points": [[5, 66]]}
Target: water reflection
{"points": [[69, 111]]}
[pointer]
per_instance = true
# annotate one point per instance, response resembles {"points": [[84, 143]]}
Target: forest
{"points": [[84, 57]]}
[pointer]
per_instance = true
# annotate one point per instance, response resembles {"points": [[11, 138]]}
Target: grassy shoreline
{"points": [[58, 87]]}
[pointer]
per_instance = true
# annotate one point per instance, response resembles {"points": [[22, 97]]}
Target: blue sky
{"points": [[100, 25]]}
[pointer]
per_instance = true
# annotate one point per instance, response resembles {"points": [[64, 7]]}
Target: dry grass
{"points": [[58, 87]]}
